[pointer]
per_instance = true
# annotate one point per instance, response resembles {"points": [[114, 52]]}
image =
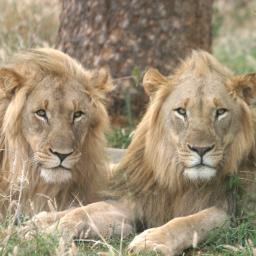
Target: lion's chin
{"points": [[202, 173], [56, 175]]}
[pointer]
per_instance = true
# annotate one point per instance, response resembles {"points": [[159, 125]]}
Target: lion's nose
{"points": [[201, 150], [61, 156]]}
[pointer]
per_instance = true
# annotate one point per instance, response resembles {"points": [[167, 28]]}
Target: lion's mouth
{"points": [[60, 167], [201, 165]]}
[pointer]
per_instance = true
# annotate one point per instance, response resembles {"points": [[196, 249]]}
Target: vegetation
{"points": [[234, 34], [30, 23]]}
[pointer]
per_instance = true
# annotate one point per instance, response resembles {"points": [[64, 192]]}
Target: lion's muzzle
{"points": [[200, 162], [56, 167]]}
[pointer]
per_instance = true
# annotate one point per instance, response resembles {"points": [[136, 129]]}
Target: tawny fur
{"points": [[20, 181]]}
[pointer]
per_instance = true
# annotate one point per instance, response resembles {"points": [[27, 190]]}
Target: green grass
{"points": [[237, 240], [13, 243], [241, 236]]}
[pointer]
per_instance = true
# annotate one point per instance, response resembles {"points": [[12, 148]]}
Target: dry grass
{"points": [[27, 23]]}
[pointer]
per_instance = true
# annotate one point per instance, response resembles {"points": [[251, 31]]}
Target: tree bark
{"points": [[133, 34]]}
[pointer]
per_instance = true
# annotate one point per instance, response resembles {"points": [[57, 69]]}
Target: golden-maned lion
{"points": [[174, 180], [52, 122]]}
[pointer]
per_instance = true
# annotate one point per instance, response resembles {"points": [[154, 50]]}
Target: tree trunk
{"points": [[130, 35]]}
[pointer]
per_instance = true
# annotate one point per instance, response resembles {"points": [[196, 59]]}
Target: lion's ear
{"points": [[245, 87], [101, 80], [10, 80], [153, 80]]}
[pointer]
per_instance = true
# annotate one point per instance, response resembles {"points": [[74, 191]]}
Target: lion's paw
{"points": [[46, 222], [150, 240], [30, 228], [70, 228]]}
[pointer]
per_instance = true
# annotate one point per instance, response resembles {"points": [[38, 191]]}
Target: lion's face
{"points": [[55, 121], [203, 121], [53, 113]]}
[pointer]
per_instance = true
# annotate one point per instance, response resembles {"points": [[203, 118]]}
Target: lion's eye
{"points": [[181, 111], [41, 113], [78, 114], [221, 112]]}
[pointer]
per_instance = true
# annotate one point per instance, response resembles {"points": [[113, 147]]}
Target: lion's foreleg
{"points": [[180, 233], [101, 219]]}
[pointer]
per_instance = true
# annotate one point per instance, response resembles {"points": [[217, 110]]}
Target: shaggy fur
{"points": [[22, 188], [160, 184], [149, 172]]}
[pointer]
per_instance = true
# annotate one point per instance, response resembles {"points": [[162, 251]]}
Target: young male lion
{"points": [[197, 132], [52, 123]]}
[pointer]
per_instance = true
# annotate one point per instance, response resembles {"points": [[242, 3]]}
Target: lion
{"points": [[53, 122], [173, 182]]}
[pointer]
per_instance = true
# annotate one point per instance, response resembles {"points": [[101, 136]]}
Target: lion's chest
{"points": [[160, 206]]}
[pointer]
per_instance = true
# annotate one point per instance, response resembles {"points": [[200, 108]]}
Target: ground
{"points": [[31, 23]]}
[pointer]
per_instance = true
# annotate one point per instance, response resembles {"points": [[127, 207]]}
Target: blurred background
{"points": [[129, 36]]}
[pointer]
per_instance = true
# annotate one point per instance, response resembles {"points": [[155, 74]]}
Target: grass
{"points": [[239, 239], [236, 240], [30, 23], [26, 24], [234, 30], [120, 137], [42, 244], [13, 243]]}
